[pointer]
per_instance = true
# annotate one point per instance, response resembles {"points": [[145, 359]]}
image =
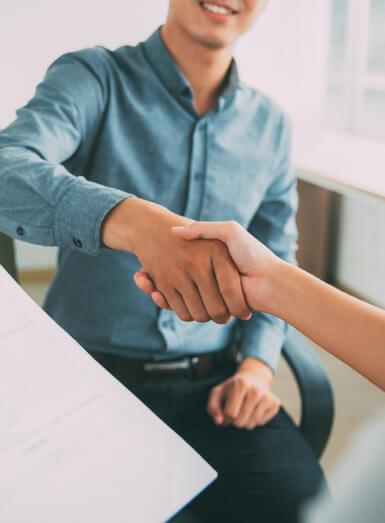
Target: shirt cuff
{"points": [[80, 213], [262, 338]]}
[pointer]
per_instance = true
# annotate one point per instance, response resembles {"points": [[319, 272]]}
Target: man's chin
{"points": [[213, 42]]}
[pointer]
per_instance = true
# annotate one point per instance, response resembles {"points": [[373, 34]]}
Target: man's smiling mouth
{"points": [[218, 9]]}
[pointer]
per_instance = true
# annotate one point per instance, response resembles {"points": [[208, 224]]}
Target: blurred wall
{"points": [[361, 251]]}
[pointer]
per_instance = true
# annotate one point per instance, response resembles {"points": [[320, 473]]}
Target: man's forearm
{"points": [[348, 328]]}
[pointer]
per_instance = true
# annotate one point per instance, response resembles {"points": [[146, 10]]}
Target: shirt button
{"points": [[77, 243], [20, 231]]}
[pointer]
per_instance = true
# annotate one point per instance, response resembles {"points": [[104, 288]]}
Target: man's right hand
{"points": [[198, 278], [257, 265]]}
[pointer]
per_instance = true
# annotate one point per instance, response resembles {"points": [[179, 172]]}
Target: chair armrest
{"points": [[315, 390], [7, 255]]}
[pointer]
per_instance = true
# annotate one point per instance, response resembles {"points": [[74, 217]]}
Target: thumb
{"points": [[204, 230], [215, 404]]}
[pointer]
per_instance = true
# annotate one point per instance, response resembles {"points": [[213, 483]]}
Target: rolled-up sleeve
{"points": [[274, 224], [40, 200]]}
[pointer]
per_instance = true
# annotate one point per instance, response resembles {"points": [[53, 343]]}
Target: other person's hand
{"points": [[245, 400], [255, 262], [198, 279]]}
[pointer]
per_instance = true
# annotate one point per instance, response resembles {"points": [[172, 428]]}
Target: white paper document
{"points": [[75, 445]]}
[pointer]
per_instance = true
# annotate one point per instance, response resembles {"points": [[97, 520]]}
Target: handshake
{"points": [[201, 271], [250, 287]]}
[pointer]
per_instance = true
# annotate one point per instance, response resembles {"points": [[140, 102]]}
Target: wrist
{"points": [[125, 224], [268, 288], [258, 367], [284, 290]]}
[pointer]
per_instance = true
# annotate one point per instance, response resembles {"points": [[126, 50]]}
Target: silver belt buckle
{"points": [[167, 366]]}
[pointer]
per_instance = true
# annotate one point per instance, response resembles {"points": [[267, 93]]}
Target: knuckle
{"points": [[227, 289], [220, 315], [221, 320], [184, 317], [211, 408], [230, 414], [256, 393], [240, 382], [179, 271], [191, 262], [239, 311], [201, 317], [233, 226], [217, 247]]}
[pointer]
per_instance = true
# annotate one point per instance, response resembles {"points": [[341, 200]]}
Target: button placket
{"points": [[197, 170]]}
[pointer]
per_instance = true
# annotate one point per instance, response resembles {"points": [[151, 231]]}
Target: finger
{"points": [[258, 415], [159, 300], [269, 414], [230, 287], [249, 405], [212, 299], [204, 230], [233, 402], [193, 302], [144, 283], [177, 304], [215, 404]]}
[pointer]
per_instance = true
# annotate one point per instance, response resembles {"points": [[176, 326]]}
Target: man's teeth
{"points": [[217, 9]]}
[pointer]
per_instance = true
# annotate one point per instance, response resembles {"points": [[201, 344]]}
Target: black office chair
{"points": [[315, 390], [7, 255], [314, 386]]}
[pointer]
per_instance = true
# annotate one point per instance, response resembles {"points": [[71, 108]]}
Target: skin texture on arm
{"points": [[349, 329]]}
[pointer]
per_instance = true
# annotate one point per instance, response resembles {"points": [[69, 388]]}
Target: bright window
{"points": [[356, 89]]}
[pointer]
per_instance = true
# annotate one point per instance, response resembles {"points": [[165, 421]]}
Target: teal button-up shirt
{"points": [[104, 125]]}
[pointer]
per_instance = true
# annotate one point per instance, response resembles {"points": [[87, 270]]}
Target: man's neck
{"points": [[204, 68]]}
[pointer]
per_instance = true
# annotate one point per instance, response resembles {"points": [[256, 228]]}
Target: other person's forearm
{"points": [[348, 328]]}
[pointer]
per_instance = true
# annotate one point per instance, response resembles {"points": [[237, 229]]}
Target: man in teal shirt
{"points": [[114, 149]]}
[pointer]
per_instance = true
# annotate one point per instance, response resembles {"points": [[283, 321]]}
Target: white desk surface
{"points": [[343, 163]]}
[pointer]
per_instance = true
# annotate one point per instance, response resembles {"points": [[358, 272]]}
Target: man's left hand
{"points": [[245, 400]]}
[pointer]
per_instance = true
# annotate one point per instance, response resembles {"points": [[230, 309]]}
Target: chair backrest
{"points": [[7, 255]]}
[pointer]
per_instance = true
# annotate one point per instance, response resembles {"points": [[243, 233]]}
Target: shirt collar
{"points": [[164, 65], [232, 81], [170, 74]]}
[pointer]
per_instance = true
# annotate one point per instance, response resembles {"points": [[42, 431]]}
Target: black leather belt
{"points": [[194, 367]]}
